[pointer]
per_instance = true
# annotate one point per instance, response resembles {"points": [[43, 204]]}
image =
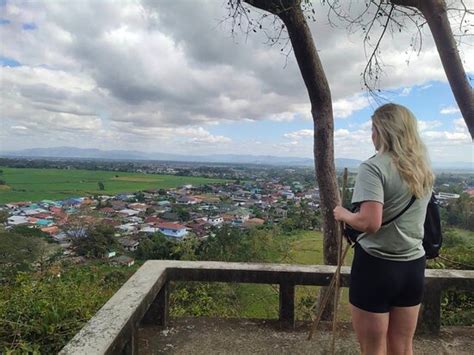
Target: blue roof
{"points": [[43, 222]]}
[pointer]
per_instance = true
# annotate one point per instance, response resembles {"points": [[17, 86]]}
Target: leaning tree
{"points": [[387, 15]]}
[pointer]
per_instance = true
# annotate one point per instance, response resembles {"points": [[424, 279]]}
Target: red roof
{"points": [[169, 225], [152, 219], [42, 215], [107, 210]]}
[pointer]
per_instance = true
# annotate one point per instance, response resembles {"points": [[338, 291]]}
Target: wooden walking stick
{"points": [[340, 261], [335, 279]]}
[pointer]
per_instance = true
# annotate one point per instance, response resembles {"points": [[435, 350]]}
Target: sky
{"points": [[169, 76]]}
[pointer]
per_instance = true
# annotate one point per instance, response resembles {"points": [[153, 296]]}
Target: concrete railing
{"points": [[143, 299]]}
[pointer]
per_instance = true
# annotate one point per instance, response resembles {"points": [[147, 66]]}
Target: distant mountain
{"points": [[457, 165], [80, 153], [71, 152]]}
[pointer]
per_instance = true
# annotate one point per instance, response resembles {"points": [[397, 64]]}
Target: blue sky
{"points": [[147, 76]]}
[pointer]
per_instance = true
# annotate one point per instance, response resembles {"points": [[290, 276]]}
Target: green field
{"points": [[261, 301], [56, 184]]}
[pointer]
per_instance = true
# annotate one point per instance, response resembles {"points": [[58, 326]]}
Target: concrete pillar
{"points": [[131, 347], [287, 304], [429, 321], [158, 313]]}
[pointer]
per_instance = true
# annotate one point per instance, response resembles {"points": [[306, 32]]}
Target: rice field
{"points": [[23, 184]]}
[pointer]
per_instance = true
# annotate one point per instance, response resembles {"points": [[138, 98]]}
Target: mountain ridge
{"points": [[94, 153]]}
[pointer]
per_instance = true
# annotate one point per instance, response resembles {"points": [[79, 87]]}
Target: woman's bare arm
{"points": [[368, 219]]}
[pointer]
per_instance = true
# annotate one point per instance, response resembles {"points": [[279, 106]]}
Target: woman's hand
{"points": [[340, 213]]}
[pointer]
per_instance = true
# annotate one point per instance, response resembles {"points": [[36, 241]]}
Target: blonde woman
{"points": [[387, 275]]}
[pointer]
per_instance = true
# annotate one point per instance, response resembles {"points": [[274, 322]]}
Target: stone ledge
{"points": [[113, 329]]}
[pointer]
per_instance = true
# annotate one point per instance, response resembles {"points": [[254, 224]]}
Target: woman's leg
{"points": [[401, 329], [371, 330]]}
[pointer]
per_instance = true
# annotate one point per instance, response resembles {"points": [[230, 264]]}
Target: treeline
{"points": [[459, 213]]}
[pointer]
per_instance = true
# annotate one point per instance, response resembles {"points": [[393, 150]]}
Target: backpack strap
{"points": [[413, 198]]}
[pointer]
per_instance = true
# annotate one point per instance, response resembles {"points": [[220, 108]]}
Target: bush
{"points": [[40, 313]]}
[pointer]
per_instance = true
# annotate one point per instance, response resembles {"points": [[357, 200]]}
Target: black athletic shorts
{"points": [[378, 284]]}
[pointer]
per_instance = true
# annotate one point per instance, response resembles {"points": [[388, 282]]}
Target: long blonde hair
{"points": [[397, 135]]}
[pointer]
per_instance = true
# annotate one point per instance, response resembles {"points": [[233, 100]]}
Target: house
{"points": [[170, 216], [107, 210], [187, 200], [152, 220], [172, 229], [287, 194], [43, 215], [198, 229], [109, 254], [149, 230], [141, 207], [446, 196], [123, 260], [240, 215], [72, 202], [124, 197], [34, 211], [17, 220], [129, 244], [128, 227], [215, 220], [50, 230], [44, 222], [127, 212]]}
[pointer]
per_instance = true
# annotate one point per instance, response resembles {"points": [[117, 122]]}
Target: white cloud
{"points": [[303, 133], [405, 91], [425, 125], [449, 110], [343, 108], [459, 136]]}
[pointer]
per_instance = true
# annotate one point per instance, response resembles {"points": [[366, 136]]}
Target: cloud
{"points": [[343, 108], [303, 133], [449, 110], [425, 125], [146, 74], [406, 91]]}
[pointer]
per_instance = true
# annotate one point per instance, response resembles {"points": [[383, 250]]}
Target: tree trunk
{"points": [[435, 13], [321, 110], [319, 93]]}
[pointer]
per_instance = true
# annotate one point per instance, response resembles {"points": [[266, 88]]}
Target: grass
{"points": [[55, 184], [466, 235], [261, 301]]}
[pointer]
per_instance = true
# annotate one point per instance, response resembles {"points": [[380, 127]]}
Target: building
{"points": [[215, 220], [17, 220], [129, 244], [123, 260], [172, 229], [446, 196]]}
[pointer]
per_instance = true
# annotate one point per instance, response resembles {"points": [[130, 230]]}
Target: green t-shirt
{"points": [[378, 180]]}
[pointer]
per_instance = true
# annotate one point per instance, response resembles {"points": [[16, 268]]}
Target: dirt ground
{"points": [[245, 336]]}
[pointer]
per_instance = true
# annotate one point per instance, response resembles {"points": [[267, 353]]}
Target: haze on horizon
{"points": [[162, 76]]}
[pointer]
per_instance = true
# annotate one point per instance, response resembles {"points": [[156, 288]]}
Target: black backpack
{"points": [[432, 239]]}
